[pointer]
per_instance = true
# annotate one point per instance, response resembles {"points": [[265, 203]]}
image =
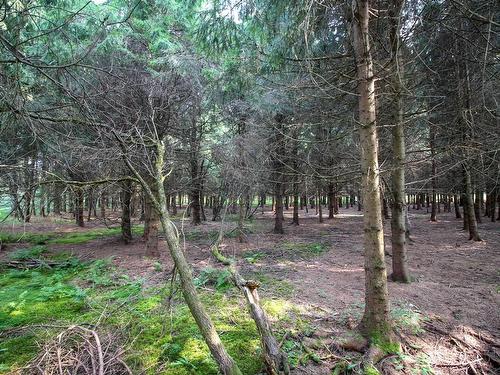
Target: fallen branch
{"points": [[275, 359], [33, 263]]}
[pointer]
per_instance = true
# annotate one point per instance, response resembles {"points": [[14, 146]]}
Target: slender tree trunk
{"points": [[241, 219], [376, 319], [278, 218], [151, 223], [477, 206], [432, 136], [295, 219], [331, 201], [493, 201], [458, 215], [89, 203], [103, 203], [79, 207], [471, 216], [174, 204], [126, 222], [278, 173], [320, 207], [29, 193], [398, 221]]}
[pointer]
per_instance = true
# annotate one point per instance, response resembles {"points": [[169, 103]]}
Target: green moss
{"points": [[83, 237], [34, 238], [370, 370], [273, 286], [305, 249], [27, 253], [385, 343], [65, 238], [161, 340], [17, 351]]}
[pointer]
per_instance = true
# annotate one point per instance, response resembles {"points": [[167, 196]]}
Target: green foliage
{"points": [[89, 235], [370, 370], [65, 238], [407, 318], [98, 274], [274, 286], [157, 266], [220, 279], [254, 256], [85, 292], [423, 366], [305, 249], [34, 238], [344, 367], [27, 253]]}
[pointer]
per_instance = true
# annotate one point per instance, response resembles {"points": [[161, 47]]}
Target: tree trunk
{"points": [[432, 136], [493, 201], [471, 216], [151, 224], [89, 203], [331, 201], [278, 218], [477, 206], [278, 173], [295, 218], [376, 319], [241, 219], [458, 215], [102, 204], [79, 207], [398, 220], [126, 198]]}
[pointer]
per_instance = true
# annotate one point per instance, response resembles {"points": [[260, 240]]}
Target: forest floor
{"points": [[313, 286]]}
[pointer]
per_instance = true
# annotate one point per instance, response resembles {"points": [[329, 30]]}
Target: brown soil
{"points": [[456, 281]]}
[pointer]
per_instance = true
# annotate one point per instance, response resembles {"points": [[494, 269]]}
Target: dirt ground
{"points": [[456, 286]]}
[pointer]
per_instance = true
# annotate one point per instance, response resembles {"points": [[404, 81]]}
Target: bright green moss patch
{"points": [[35, 296]]}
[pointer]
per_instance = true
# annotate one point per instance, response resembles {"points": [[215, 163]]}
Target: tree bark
{"points": [[151, 223], [79, 207], [331, 201], [295, 218], [400, 271], [471, 216], [126, 225], [376, 319]]}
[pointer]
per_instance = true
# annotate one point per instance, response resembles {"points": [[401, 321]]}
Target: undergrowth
{"points": [[49, 238], [304, 249], [38, 303]]}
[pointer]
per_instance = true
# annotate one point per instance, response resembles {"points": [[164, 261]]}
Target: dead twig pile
{"points": [[80, 351]]}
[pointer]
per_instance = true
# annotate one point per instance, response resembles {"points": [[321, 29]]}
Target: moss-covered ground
{"points": [[161, 337]]}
